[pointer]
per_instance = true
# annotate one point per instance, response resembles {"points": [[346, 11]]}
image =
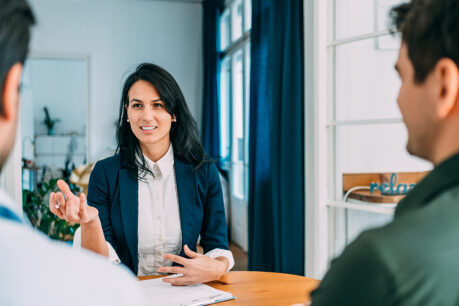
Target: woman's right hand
{"points": [[71, 208]]}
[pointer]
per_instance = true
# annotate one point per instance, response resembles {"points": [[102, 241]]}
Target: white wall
{"points": [[26, 120], [117, 36], [61, 86]]}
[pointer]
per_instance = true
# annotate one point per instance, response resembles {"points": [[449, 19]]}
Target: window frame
{"points": [[324, 209], [240, 44]]}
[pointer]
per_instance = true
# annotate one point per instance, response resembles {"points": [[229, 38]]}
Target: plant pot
{"points": [[51, 131]]}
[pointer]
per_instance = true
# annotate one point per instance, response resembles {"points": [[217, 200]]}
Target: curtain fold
{"points": [[276, 152], [210, 107]]}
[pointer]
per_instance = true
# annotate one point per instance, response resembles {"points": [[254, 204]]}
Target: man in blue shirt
{"points": [[33, 269]]}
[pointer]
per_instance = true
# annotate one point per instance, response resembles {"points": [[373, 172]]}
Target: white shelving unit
{"points": [[387, 209], [51, 150]]}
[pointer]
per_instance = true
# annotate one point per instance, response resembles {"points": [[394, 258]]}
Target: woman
{"points": [[148, 204]]}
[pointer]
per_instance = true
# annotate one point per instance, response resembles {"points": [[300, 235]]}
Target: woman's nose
{"points": [[148, 114]]}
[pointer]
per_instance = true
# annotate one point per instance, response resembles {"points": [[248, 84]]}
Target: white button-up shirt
{"points": [[159, 229]]}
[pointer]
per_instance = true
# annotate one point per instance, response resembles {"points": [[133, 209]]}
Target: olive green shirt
{"points": [[414, 260]]}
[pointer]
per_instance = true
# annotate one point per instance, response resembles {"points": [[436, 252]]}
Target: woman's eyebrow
{"points": [[138, 100]]}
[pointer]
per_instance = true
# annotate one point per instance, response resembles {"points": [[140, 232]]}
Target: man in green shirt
{"points": [[415, 259]]}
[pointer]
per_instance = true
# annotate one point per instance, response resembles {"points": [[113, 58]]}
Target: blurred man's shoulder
{"points": [[36, 270]]}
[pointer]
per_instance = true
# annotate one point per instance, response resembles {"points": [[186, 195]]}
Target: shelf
{"points": [[362, 206], [365, 122], [78, 154], [357, 38], [360, 184], [375, 197], [60, 135]]}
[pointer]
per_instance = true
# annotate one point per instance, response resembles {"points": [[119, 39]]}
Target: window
{"points": [[235, 25], [357, 127]]}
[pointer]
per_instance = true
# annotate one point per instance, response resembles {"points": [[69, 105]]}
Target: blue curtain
{"points": [[276, 153], [210, 111]]}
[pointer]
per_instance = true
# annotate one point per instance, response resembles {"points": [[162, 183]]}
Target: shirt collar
{"points": [[444, 176], [6, 201], [165, 164]]}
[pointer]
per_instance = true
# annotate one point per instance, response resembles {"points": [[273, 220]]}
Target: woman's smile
{"points": [[148, 129]]}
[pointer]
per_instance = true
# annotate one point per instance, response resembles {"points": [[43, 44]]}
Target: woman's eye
{"points": [[136, 105], [158, 105]]}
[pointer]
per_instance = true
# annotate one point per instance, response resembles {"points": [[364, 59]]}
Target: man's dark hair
{"points": [[16, 18], [430, 29]]}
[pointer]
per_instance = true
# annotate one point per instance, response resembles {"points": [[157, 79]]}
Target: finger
{"points": [[72, 209], [171, 269], [178, 281], [190, 253], [82, 208], [82, 199], [52, 205], [177, 259], [65, 188], [61, 202]]}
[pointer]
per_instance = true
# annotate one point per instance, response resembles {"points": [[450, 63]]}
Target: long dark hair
{"points": [[183, 134]]}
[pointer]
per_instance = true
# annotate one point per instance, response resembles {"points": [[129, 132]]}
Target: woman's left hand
{"points": [[197, 269]]}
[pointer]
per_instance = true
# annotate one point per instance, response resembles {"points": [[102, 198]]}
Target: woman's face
{"points": [[150, 122]]}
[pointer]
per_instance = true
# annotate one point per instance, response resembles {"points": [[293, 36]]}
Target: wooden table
{"points": [[263, 288]]}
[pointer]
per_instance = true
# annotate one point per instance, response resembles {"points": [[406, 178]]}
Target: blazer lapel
{"points": [[129, 199], [186, 192]]}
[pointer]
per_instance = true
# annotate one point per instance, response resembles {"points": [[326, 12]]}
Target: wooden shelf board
{"points": [[376, 197]]}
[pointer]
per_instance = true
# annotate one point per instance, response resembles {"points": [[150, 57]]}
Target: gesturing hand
{"points": [[198, 269], [71, 208]]}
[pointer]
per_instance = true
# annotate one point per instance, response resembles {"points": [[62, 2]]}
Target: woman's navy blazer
{"points": [[114, 192]]}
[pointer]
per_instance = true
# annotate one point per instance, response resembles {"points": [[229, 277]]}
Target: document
{"points": [[159, 293]]}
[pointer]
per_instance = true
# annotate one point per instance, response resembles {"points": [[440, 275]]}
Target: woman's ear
{"points": [[10, 94], [174, 119]]}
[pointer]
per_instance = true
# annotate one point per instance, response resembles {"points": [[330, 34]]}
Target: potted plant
{"points": [[49, 122], [36, 207]]}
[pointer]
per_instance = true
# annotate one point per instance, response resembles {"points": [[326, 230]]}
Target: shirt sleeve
{"points": [[222, 253], [358, 277], [112, 256]]}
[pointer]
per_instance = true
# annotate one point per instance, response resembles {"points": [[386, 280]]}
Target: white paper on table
{"points": [[159, 293]]}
